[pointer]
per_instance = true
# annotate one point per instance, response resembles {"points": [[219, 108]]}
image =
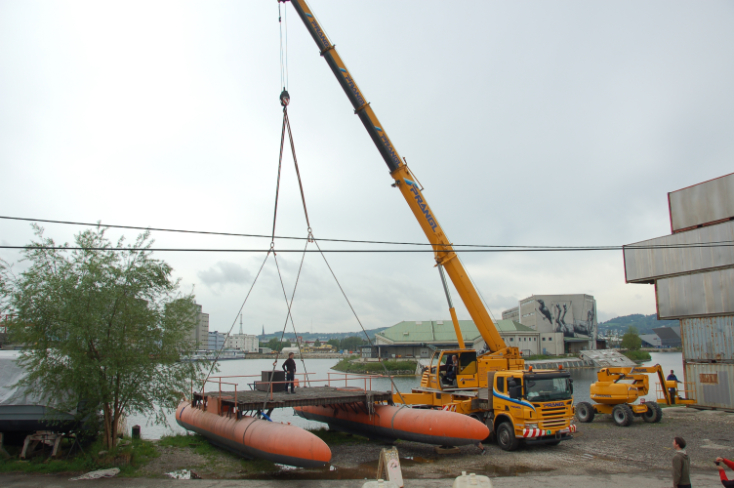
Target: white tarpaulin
{"points": [[10, 374]]}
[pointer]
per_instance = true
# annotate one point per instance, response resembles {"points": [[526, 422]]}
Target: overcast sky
{"points": [[527, 122]]}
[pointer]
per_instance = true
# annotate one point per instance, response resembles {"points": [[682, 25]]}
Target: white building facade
{"points": [[572, 316], [243, 342]]}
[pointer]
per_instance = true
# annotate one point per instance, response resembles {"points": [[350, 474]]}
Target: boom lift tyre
{"points": [[622, 415], [585, 412], [653, 414]]}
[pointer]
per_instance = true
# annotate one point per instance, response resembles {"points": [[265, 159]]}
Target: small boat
{"points": [[390, 422], [253, 437]]}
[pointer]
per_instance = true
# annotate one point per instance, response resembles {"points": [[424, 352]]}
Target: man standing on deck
{"points": [[672, 391], [289, 366]]}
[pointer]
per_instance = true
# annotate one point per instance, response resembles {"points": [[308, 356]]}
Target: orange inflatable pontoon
{"points": [[389, 422], [256, 438]]}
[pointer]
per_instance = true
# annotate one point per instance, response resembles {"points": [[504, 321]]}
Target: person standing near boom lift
{"points": [[672, 390]]}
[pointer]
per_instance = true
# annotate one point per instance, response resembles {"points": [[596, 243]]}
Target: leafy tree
{"points": [[102, 329], [276, 345], [351, 343], [334, 343], [317, 343], [631, 339]]}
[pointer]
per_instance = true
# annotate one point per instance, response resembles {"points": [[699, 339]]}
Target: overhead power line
{"points": [[482, 247], [458, 251]]}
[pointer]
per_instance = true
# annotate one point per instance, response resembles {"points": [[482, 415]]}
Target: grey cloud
{"points": [[224, 272]]}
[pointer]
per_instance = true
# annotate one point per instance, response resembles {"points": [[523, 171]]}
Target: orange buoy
{"points": [[256, 438], [390, 422]]}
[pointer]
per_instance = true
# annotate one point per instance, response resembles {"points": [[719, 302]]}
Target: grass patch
{"points": [[129, 457], [393, 366], [638, 355], [335, 438], [195, 442]]}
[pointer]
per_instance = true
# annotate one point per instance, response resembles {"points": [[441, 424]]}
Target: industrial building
{"points": [[573, 316], [243, 342], [216, 341], [199, 335], [693, 275], [420, 338]]}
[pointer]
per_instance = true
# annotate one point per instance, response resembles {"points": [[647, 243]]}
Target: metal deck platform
{"points": [[249, 401]]}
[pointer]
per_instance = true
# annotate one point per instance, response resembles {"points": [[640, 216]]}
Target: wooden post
{"points": [[3, 453]]}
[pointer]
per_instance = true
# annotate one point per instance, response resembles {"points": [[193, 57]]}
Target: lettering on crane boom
{"points": [[353, 87], [318, 31], [424, 208]]}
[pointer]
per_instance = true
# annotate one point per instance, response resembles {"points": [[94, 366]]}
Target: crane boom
{"points": [[408, 186]]}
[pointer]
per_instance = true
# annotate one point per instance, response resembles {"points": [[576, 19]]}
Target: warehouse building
{"points": [[420, 338], [694, 282], [574, 316]]}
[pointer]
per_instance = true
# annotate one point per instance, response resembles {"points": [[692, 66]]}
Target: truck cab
{"points": [[534, 407]]}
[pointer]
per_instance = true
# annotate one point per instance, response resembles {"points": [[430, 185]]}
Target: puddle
{"points": [[494, 471], [330, 472]]}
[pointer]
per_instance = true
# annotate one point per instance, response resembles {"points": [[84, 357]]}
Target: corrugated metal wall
{"points": [[712, 384], [702, 203], [708, 293], [708, 338], [642, 265]]}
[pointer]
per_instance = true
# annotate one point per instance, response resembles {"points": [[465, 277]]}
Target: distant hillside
{"points": [[643, 323], [322, 336]]}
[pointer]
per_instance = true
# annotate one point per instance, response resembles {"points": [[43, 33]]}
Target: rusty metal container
{"points": [[708, 338], [704, 294], [678, 254], [701, 204], [711, 384]]}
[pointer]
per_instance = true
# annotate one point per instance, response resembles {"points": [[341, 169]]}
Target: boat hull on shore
{"points": [[255, 438], [389, 422]]}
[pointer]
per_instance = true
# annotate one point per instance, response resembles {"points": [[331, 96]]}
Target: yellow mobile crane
{"points": [[494, 387]]}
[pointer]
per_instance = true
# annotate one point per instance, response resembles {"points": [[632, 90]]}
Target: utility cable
{"points": [[367, 251], [356, 241]]}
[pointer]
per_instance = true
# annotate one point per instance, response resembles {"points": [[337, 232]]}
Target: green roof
{"points": [[442, 331]]}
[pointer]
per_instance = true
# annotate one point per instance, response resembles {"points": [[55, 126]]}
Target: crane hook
{"points": [[285, 98]]}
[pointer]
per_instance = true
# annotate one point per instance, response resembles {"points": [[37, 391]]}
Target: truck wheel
{"points": [[653, 414], [622, 415], [506, 437], [585, 412]]}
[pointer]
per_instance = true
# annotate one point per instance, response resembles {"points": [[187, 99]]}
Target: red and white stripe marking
{"points": [[526, 433], [449, 407]]}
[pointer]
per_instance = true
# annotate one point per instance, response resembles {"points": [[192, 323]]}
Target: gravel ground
{"points": [[599, 449]]}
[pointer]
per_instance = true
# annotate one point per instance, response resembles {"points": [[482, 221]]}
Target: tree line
{"points": [[347, 344]]}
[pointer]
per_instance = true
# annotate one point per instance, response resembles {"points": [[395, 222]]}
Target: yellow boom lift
{"points": [[517, 405], [616, 389]]}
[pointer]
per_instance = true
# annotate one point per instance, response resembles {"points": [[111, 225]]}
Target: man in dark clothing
{"points": [[724, 480], [289, 366], [451, 369], [681, 465], [672, 390]]}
